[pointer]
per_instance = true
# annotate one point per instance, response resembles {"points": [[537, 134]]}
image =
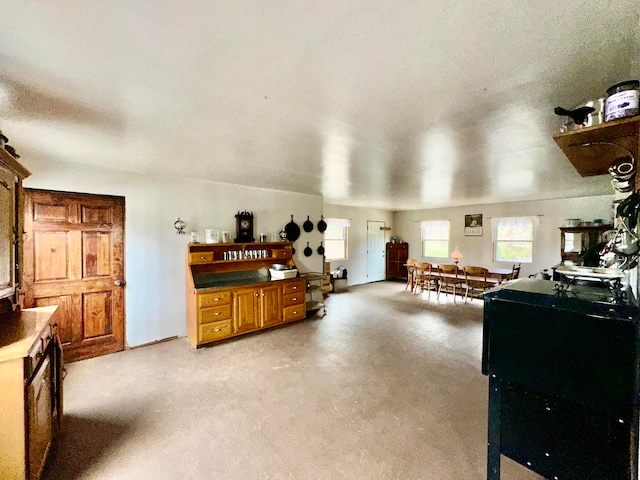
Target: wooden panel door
{"points": [[270, 306], [74, 258], [245, 309]]}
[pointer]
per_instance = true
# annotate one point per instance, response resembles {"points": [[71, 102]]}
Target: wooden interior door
{"points": [[74, 258]]}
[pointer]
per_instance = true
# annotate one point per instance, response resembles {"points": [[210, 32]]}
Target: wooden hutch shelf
{"points": [[608, 141], [229, 292]]}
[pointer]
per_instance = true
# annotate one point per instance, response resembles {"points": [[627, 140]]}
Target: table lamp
{"points": [[456, 255]]}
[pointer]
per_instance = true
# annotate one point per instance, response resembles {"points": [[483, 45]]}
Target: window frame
{"points": [[528, 221], [427, 225], [334, 223]]}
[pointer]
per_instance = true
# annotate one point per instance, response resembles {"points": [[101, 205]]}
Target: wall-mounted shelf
{"points": [[596, 158]]}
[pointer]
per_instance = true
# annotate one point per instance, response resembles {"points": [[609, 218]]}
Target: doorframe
{"points": [[121, 198], [369, 253]]}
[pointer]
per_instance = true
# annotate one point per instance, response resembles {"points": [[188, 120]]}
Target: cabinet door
{"points": [[7, 222], [246, 315], [270, 305], [40, 419]]}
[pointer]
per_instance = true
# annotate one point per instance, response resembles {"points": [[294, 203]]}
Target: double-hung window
{"points": [[336, 239], [435, 238], [513, 238]]}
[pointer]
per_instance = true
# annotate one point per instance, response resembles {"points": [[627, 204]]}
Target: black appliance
{"points": [[563, 371]]}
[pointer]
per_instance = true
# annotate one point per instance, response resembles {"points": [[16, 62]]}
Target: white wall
{"points": [[479, 250], [154, 253], [356, 264]]}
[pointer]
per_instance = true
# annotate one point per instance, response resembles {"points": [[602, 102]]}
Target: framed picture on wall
{"points": [[473, 225]]}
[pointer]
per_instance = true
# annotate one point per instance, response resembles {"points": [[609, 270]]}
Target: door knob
{"points": [[119, 283]]}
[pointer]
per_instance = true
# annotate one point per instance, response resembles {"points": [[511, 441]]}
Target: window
{"points": [[435, 238], [513, 239], [335, 239]]}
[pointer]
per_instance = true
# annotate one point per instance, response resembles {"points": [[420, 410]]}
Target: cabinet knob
{"points": [[216, 314], [257, 295], [218, 329], [295, 298], [118, 283]]}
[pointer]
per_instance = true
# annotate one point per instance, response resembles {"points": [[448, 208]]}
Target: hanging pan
{"points": [[307, 225], [320, 249], [293, 230], [308, 251], [322, 225]]}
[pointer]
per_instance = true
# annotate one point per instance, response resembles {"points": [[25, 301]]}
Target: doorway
{"points": [[74, 258], [375, 251]]}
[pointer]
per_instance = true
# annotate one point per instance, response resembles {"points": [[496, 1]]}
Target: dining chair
{"points": [[515, 272], [448, 279], [411, 266], [475, 281], [424, 278]]}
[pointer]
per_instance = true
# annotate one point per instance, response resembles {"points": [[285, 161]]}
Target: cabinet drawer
{"points": [[214, 314], [214, 299], [294, 287], [214, 331], [295, 312], [281, 253], [293, 299], [200, 257]]}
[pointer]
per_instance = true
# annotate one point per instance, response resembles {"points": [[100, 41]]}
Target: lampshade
{"points": [[456, 255]]}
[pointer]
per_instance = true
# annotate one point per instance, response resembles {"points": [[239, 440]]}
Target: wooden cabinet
{"points": [[397, 255], [11, 227], [226, 298], [30, 391], [270, 303], [575, 241], [246, 308], [294, 300]]}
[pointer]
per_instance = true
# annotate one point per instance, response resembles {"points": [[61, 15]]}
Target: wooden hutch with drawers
{"points": [[230, 292]]}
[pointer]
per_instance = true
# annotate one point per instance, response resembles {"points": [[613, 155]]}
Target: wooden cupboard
{"points": [[575, 241], [30, 391], [397, 255], [11, 226], [227, 298]]}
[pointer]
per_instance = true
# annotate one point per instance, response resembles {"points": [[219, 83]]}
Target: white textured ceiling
{"points": [[397, 105]]}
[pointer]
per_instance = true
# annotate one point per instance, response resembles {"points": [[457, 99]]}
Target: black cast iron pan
{"points": [[322, 225], [320, 249], [293, 230], [308, 251], [307, 225]]}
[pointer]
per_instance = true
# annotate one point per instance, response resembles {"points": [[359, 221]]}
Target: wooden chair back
{"points": [[423, 276], [448, 270], [475, 281], [411, 267], [515, 272]]}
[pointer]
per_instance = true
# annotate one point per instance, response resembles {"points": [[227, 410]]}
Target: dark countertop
{"points": [[234, 279]]}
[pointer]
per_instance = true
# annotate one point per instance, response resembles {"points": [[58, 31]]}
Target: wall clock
{"points": [[244, 227]]}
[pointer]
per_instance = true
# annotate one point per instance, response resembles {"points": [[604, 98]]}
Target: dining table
{"points": [[499, 275]]}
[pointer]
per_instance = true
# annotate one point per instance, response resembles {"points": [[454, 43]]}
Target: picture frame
{"points": [[226, 237], [473, 225]]}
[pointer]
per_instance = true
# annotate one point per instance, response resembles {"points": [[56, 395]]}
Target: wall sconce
{"points": [[456, 255], [179, 225]]}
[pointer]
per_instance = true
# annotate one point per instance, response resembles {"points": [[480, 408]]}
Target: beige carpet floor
{"points": [[386, 386]]}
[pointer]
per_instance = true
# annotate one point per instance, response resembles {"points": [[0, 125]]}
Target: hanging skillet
{"points": [[320, 249], [308, 251], [307, 225], [293, 230], [322, 225]]}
